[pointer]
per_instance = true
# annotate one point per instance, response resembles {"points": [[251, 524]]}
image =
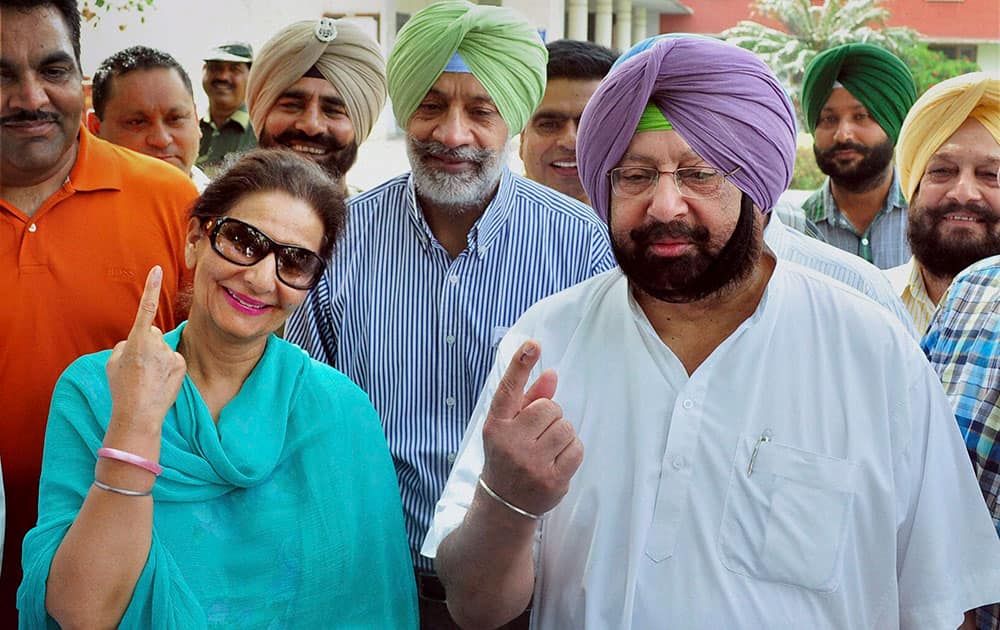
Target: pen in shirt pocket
{"points": [[765, 437]]}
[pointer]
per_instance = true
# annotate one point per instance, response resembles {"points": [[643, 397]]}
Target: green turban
{"points": [[498, 45], [873, 75]]}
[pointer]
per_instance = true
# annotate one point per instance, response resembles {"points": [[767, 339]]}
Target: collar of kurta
{"points": [[486, 229]]}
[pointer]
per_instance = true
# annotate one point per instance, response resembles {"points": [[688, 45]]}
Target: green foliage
{"points": [[94, 10], [930, 67], [812, 29], [806, 175]]}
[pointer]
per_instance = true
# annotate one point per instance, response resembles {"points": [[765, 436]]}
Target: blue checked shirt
{"points": [[963, 345], [418, 331], [883, 244]]}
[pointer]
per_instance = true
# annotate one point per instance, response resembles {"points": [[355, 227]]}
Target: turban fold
{"points": [[937, 115], [722, 100], [873, 75], [344, 55], [498, 45]]}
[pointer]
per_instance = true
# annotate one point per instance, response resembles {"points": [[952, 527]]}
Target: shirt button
{"points": [[450, 339], [451, 458], [864, 241], [679, 462], [32, 227], [688, 404], [450, 401], [453, 279]]}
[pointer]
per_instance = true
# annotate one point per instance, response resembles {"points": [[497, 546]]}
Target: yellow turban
{"points": [[344, 54], [497, 44], [937, 115]]}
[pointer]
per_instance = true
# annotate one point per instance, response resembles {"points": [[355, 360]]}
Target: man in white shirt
{"points": [[948, 157], [764, 447]]}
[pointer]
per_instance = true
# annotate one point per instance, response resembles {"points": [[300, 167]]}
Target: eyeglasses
{"points": [[244, 245], [694, 182]]}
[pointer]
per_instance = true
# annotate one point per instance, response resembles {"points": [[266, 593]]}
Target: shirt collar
{"points": [[915, 286], [95, 167], [830, 213], [240, 117], [485, 230], [774, 231]]}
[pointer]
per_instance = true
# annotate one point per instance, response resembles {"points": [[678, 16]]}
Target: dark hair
{"points": [[66, 8], [125, 61], [277, 170], [576, 60]]}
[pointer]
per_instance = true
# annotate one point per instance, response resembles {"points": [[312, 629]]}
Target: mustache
{"points": [[294, 135], [847, 146], [646, 234], [979, 210], [37, 115], [432, 148]]}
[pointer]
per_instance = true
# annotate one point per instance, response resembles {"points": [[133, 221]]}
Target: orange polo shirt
{"points": [[70, 279]]}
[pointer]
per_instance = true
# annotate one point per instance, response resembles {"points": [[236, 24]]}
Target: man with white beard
{"points": [[438, 263]]}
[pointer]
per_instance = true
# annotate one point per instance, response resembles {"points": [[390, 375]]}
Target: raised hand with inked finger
{"points": [[112, 532], [144, 373], [531, 451], [531, 454]]}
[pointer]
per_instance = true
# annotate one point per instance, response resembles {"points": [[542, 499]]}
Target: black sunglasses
{"points": [[244, 245]]}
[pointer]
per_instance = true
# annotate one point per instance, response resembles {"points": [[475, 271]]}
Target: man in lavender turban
{"points": [[735, 440], [750, 126]]}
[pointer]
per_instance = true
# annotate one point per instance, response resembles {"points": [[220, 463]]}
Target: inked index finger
{"points": [[149, 301], [509, 397]]}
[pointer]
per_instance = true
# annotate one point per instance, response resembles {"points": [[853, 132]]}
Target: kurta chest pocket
{"points": [[786, 517]]}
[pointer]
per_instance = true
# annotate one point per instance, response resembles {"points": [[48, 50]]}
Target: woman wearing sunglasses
{"points": [[215, 475]]}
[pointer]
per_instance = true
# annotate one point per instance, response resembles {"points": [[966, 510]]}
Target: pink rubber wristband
{"points": [[130, 458]]}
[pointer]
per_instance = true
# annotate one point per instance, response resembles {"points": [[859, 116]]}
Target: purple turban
{"points": [[721, 99]]}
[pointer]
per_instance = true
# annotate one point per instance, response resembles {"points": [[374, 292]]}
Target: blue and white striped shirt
{"points": [[418, 331]]}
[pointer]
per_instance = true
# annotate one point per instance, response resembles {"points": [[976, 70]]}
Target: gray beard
{"points": [[456, 194]]}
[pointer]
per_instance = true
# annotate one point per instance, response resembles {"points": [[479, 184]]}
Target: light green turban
{"points": [[498, 45], [343, 53], [937, 115], [873, 75]]}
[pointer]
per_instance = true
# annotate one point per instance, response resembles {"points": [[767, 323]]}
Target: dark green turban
{"points": [[873, 75], [498, 45]]}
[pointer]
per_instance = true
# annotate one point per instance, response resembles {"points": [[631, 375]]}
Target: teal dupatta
{"points": [[285, 513]]}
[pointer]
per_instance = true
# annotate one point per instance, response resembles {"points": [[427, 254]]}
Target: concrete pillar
{"points": [[602, 22], [577, 27], [549, 16], [623, 25], [639, 28]]}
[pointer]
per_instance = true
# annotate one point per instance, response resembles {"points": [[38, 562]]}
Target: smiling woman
{"points": [[258, 446]]}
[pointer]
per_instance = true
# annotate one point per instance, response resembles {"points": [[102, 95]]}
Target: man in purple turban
{"points": [[735, 440]]}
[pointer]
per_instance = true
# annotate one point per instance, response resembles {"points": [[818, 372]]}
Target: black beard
{"points": [[698, 275], [863, 176], [945, 257], [339, 159]]}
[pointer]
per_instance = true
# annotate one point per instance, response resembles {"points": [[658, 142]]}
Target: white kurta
{"points": [[861, 510]]}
